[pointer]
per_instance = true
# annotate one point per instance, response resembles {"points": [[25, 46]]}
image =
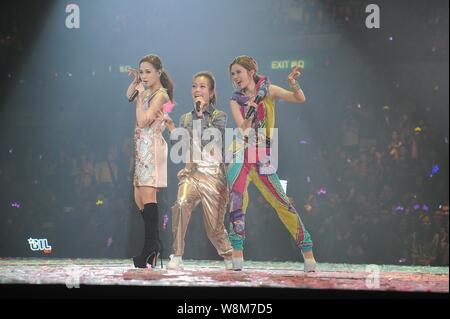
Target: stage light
{"points": [[434, 170]]}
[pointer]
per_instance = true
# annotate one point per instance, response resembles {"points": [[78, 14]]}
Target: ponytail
{"points": [[167, 83]]}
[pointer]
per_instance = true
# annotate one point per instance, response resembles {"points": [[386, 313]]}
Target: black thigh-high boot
{"points": [[154, 220], [151, 250]]}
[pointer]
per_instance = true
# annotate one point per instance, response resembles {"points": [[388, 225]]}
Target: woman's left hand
{"points": [[169, 122], [295, 73], [160, 116]]}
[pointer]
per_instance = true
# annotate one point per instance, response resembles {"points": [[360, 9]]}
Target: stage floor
{"points": [[113, 272]]}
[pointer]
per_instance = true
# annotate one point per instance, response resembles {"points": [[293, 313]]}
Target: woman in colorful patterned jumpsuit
{"points": [[253, 109]]}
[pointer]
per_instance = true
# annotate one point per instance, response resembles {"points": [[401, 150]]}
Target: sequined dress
{"points": [[150, 154]]}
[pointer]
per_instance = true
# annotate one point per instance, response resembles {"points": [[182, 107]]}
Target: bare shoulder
{"points": [[160, 98], [234, 104], [164, 96]]}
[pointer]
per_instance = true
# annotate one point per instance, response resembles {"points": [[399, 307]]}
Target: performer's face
{"points": [[149, 75], [201, 88], [241, 76]]}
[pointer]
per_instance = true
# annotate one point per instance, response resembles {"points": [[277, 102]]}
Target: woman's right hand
{"points": [[201, 100], [251, 102], [134, 74], [141, 89]]}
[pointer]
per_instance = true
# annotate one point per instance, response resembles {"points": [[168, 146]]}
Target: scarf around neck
{"points": [[262, 87]]}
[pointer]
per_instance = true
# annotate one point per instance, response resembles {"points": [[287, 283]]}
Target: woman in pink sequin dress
{"points": [[154, 89]]}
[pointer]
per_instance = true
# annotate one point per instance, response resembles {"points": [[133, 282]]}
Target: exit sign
{"points": [[287, 64]]}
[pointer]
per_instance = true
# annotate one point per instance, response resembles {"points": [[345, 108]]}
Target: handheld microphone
{"points": [[252, 109], [133, 96], [197, 106]]}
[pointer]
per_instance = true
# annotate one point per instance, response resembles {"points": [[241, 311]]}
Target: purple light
{"points": [[165, 221], [416, 206], [15, 205], [321, 191], [425, 208], [399, 208], [303, 142]]}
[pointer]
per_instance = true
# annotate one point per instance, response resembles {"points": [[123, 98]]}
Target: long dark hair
{"points": [[165, 79]]}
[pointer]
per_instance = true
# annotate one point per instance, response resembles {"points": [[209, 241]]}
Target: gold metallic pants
{"points": [[208, 186]]}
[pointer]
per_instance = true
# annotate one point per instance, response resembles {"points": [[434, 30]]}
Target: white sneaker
{"points": [[238, 263], [228, 264], [175, 262], [310, 265]]}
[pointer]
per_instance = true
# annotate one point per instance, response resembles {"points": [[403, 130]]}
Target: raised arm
{"points": [[132, 87], [296, 94]]}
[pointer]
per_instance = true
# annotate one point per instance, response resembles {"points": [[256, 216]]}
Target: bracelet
{"points": [[295, 87]]}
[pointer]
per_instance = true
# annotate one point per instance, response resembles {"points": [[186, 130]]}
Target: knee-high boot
{"points": [[152, 244]]}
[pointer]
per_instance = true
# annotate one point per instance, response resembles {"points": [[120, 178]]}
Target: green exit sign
{"points": [[287, 64]]}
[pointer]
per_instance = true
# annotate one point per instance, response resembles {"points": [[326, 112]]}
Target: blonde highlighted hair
{"points": [[248, 63]]}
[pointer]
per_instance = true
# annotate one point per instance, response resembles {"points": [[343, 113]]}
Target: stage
{"points": [[209, 279]]}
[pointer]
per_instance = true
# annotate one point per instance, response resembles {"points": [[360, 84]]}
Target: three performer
{"points": [[205, 178]]}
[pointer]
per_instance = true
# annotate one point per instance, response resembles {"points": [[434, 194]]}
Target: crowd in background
{"points": [[377, 194]]}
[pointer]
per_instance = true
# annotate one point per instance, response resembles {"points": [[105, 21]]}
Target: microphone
{"points": [[252, 109], [133, 96], [197, 106]]}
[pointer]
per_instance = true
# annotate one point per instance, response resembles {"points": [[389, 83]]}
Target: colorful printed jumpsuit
{"points": [[245, 168]]}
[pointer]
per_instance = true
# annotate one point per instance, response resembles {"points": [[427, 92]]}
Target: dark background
{"points": [[64, 116]]}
